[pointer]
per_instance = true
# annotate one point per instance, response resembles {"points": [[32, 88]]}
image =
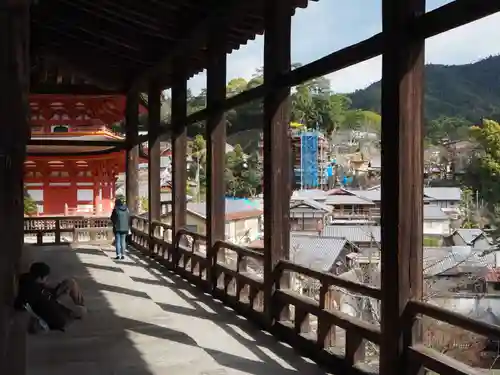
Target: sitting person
{"points": [[47, 302]]}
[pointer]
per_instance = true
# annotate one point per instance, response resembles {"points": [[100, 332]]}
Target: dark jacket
{"points": [[42, 301], [120, 219]]}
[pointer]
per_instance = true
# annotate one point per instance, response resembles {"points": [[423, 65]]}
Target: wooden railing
{"points": [[60, 229], [224, 271], [230, 273]]}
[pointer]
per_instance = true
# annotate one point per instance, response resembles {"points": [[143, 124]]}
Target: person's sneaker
{"points": [[117, 258], [79, 312], [122, 257]]}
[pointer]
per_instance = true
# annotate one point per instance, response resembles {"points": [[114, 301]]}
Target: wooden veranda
{"points": [[94, 48]]}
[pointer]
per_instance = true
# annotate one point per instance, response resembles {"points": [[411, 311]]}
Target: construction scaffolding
{"points": [[310, 155], [309, 160]]}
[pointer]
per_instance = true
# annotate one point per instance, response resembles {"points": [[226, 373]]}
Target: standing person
{"points": [[121, 226]]}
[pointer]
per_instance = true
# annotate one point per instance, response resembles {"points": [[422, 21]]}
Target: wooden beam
{"points": [[70, 37], [454, 14], [426, 25], [402, 177], [335, 61], [14, 134], [223, 13], [179, 148], [75, 142], [132, 161], [78, 65], [216, 145], [71, 89], [111, 16], [154, 184], [277, 182]]}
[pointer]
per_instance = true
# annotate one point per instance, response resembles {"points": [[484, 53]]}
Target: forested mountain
{"points": [[456, 97], [470, 91]]}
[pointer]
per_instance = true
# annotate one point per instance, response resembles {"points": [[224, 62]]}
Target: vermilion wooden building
{"points": [[67, 180]]}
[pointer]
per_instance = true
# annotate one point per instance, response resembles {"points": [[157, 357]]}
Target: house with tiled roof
{"points": [[436, 221], [474, 237], [362, 236], [323, 253], [344, 205], [308, 215], [243, 220]]}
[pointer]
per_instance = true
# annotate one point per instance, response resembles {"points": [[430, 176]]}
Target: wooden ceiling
{"points": [[117, 44]]}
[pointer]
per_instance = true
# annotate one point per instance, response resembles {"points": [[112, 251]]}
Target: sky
{"points": [[329, 25]]}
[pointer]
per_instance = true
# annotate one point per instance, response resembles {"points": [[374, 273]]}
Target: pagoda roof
{"points": [[74, 143], [64, 109]]}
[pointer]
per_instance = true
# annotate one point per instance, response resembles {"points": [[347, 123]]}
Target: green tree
{"points": [[315, 106], [197, 172], [243, 174], [483, 172], [30, 206], [360, 120], [467, 209], [447, 128]]}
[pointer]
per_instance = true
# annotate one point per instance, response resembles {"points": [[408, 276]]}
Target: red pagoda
{"points": [[61, 175]]}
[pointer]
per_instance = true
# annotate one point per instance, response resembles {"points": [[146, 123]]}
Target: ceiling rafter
{"points": [[81, 62], [170, 6], [111, 17], [58, 26], [102, 48], [69, 16], [234, 41], [123, 13], [229, 11], [128, 42]]}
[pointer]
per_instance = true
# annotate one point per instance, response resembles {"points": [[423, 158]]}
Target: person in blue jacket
{"points": [[120, 217]]}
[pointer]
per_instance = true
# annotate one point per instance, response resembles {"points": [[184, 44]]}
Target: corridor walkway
{"points": [[145, 322]]}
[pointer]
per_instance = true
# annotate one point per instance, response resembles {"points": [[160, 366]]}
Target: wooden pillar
{"points": [[277, 182], [132, 173], [402, 177], [216, 145], [179, 148], [14, 134], [154, 106]]}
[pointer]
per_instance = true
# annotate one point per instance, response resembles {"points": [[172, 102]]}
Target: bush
{"points": [[431, 242], [30, 207]]}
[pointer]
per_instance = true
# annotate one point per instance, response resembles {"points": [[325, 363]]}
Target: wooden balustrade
{"points": [[233, 281], [60, 229], [297, 331], [237, 280], [421, 357], [238, 283]]}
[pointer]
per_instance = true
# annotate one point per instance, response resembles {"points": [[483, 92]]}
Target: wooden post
{"points": [[216, 148], [402, 176], [277, 182], [179, 149], [14, 135], [154, 106], [132, 174]]}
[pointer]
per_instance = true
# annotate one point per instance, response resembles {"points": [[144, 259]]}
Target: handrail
{"points": [[329, 278], [79, 228], [211, 270], [432, 311]]}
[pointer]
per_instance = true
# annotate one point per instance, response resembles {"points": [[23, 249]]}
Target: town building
{"points": [[243, 220]]}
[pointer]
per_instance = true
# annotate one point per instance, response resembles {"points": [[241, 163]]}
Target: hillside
{"points": [[470, 91]]}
